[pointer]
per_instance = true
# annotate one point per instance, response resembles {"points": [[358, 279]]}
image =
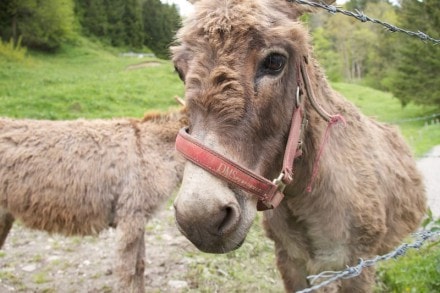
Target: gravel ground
{"points": [[34, 261]]}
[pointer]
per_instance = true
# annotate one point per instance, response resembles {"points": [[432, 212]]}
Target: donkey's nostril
{"points": [[229, 219]]}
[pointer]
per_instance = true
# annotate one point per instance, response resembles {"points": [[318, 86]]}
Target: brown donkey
{"points": [[80, 177], [254, 90]]}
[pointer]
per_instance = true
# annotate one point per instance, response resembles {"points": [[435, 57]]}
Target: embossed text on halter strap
{"points": [[268, 194]]}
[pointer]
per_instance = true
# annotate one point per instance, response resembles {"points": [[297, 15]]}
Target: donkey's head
{"points": [[238, 60]]}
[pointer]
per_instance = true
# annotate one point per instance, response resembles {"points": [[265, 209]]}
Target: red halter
{"points": [[269, 193]]}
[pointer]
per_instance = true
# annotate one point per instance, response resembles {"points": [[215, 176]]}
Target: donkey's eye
{"points": [[180, 73], [273, 64]]}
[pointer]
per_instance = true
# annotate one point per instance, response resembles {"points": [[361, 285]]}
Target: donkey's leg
{"points": [[6, 221], [140, 264], [292, 270], [294, 277], [130, 263]]}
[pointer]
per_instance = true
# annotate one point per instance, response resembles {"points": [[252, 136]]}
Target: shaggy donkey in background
{"points": [[80, 177], [243, 63]]}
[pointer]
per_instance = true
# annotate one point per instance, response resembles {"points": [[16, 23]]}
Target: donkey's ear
{"points": [[192, 1]]}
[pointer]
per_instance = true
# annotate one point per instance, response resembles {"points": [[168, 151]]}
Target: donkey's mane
{"points": [[159, 117]]}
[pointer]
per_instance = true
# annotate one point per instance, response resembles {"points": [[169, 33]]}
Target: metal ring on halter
{"points": [[279, 182], [297, 101]]}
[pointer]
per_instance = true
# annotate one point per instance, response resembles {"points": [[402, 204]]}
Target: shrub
{"points": [[417, 271], [12, 52]]}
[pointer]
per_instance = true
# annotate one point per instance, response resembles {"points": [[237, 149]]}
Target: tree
{"points": [[417, 67], [352, 50], [161, 21], [361, 4], [132, 19], [41, 24], [350, 42], [327, 55], [116, 22], [381, 55], [92, 15], [116, 30]]}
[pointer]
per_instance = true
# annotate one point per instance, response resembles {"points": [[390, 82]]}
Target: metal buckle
{"points": [[279, 182], [297, 101]]}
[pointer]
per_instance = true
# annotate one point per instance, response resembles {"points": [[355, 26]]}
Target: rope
{"points": [[332, 121]]}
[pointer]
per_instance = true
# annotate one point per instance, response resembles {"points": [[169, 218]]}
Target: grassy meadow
{"points": [[421, 134], [87, 81]]}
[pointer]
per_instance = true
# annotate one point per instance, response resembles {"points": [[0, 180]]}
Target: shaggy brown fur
{"points": [[80, 177], [367, 195]]}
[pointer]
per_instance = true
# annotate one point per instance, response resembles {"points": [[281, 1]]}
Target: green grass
{"points": [[250, 268], [12, 52], [11, 278], [384, 107], [83, 82], [41, 277], [418, 271]]}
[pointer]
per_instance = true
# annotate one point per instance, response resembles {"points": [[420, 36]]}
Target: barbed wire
{"points": [[364, 18], [351, 272]]}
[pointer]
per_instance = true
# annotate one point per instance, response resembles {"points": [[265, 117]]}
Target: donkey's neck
{"points": [[156, 135]]}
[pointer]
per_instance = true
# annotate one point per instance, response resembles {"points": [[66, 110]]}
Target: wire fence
{"points": [[428, 156], [351, 272], [425, 133], [365, 18], [421, 118]]}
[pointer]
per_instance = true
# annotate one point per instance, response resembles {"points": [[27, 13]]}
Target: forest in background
{"points": [[355, 51], [349, 50], [46, 25]]}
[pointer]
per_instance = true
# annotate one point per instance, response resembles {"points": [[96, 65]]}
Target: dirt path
{"points": [[34, 261], [430, 168]]}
